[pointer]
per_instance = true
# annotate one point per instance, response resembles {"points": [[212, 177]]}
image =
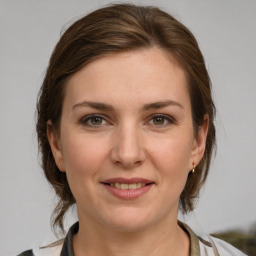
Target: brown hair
{"points": [[116, 28]]}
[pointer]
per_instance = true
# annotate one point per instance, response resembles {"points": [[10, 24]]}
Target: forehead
{"points": [[130, 77]]}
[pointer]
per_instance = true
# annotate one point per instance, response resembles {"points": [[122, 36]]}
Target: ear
{"points": [[200, 142], [55, 144]]}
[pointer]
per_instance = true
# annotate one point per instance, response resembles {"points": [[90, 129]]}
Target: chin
{"points": [[128, 227], [129, 221]]}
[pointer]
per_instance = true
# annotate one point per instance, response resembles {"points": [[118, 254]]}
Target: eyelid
{"points": [[170, 119], [86, 118]]}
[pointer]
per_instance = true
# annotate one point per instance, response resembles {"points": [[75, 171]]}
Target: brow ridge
{"points": [[161, 104], [107, 107], [96, 105]]}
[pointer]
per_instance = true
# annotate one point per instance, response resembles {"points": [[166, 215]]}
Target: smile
{"points": [[124, 186], [128, 189]]}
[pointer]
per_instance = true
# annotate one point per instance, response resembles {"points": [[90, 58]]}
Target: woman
{"points": [[126, 132]]}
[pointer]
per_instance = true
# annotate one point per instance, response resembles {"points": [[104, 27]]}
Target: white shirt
{"points": [[198, 246]]}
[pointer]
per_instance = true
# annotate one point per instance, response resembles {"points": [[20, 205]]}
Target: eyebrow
{"points": [[96, 105], [161, 104], [107, 107]]}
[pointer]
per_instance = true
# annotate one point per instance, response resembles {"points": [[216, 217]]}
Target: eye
{"points": [[94, 121], [161, 120]]}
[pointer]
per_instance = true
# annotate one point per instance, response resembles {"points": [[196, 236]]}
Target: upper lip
{"points": [[127, 181]]}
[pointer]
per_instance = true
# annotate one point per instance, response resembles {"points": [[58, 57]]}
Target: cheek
{"points": [[173, 155], [171, 159], [83, 155]]}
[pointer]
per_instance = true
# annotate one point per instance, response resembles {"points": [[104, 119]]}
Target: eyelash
{"points": [[86, 119], [166, 118]]}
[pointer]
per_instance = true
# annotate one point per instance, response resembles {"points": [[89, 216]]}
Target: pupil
{"points": [[96, 120], [158, 120]]}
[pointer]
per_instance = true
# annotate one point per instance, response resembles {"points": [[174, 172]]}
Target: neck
{"points": [[162, 239]]}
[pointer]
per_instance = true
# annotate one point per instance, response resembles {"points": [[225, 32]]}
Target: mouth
{"points": [[128, 188], [124, 183], [125, 186]]}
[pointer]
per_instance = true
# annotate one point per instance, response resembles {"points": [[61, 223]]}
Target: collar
{"points": [[194, 241], [67, 249]]}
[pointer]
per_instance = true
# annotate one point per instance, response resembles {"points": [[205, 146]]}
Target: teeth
{"points": [[124, 186], [132, 186], [138, 185]]}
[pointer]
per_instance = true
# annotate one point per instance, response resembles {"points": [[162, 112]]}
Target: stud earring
{"points": [[193, 170], [59, 168]]}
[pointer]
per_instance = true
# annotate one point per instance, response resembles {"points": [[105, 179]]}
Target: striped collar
{"points": [[194, 241], [67, 249]]}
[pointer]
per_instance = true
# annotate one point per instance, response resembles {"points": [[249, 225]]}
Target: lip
{"points": [[128, 194], [127, 181]]}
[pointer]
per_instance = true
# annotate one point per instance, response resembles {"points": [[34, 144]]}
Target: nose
{"points": [[128, 149]]}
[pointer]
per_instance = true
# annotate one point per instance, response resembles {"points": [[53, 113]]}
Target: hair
{"points": [[112, 29]]}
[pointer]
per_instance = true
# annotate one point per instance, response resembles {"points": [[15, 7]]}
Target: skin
{"points": [[128, 139]]}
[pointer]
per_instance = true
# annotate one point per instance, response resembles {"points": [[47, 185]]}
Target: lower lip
{"points": [[128, 194]]}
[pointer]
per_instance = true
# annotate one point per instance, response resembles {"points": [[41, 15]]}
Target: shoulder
{"points": [[52, 249], [56, 248], [212, 247], [219, 247], [26, 253]]}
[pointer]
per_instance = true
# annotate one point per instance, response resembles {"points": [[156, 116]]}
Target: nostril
{"points": [[127, 164]]}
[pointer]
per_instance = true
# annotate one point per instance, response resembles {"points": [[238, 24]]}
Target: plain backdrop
{"points": [[226, 32]]}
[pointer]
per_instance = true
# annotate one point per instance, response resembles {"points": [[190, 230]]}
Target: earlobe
{"points": [[55, 145], [200, 141]]}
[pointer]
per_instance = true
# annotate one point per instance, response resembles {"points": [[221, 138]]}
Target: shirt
{"points": [[198, 246]]}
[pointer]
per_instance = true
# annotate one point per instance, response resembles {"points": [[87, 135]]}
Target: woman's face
{"points": [[126, 139]]}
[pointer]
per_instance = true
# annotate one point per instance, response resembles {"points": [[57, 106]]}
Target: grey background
{"points": [[226, 32]]}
